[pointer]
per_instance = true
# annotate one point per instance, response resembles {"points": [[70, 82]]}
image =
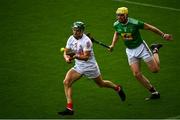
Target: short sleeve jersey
{"points": [[130, 32]]}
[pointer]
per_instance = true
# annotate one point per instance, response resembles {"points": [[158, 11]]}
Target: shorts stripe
{"points": [[145, 44]]}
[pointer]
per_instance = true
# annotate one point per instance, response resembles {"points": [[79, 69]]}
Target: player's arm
{"points": [[157, 31], [67, 58], [114, 41], [85, 56], [87, 48]]}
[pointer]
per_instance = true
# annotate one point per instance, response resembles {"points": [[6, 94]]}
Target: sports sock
{"points": [[69, 106], [155, 50], [117, 88]]}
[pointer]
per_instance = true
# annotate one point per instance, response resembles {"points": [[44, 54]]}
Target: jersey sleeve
{"points": [[68, 43], [115, 26], [140, 24], [87, 45]]}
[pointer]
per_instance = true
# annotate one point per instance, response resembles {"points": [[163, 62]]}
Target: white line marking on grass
{"points": [[175, 117], [148, 5]]}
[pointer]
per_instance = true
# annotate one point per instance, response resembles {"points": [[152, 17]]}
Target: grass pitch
{"points": [[32, 69]]}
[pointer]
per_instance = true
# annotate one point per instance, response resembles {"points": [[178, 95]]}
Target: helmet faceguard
{"points": [[79, 25], [122, 14]]}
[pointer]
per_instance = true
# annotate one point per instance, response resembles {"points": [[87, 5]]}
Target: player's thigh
{"points": [[135, 68], [99, 80], [71, 76], [152, 65]]}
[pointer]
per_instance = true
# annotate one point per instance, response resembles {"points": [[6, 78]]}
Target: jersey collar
{"points": [[79, 38], [126, 22]]}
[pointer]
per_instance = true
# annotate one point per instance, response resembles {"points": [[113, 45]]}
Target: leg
{"points": [[108, 84], [70, 78], [135, 67], [104, 83], [156, 59], [153, 64]]}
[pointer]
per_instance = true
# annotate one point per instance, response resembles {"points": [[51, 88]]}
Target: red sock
{"points": [[117, 88], [69, 106]]}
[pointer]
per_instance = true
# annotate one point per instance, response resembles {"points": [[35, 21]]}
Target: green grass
{"points": [[32, 69]]}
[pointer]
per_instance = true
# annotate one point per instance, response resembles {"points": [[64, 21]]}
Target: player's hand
{"points": [[111, 48], [68, 59], [167, 37]]}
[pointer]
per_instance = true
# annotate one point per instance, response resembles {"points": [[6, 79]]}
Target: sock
{"points": [[152, 90], [117, 88], [155, 50], [69, 106]]}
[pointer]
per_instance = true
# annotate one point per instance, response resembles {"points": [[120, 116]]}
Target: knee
{"points": [[155, 70], [66, 82], [137, 74]]}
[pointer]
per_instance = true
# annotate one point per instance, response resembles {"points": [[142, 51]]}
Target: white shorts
{"points": [[90, 72], [141, 52]]}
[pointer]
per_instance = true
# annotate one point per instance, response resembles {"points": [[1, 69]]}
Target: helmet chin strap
{"points": [[126, 16]]}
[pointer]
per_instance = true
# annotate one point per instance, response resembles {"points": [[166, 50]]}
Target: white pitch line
{"points": [[149, 5], [175, 117]]}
